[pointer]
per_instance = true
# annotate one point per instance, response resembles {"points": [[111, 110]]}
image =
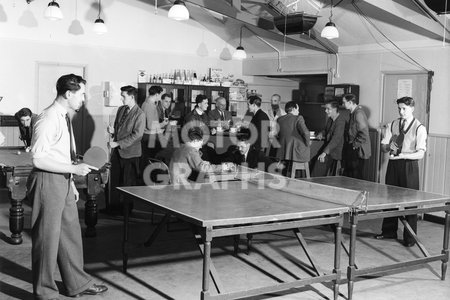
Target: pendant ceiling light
{"points": [[53, 12], [99, 24], [240, 54], [330, 31], [178, 11]]}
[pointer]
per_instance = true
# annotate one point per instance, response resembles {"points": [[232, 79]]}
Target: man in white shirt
{"points": [[56, 234], [406, 141]]}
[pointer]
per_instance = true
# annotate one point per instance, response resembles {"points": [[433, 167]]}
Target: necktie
{"points": [[125, 113], [73, 156], [400, 137], [27, 136], [221, 116]]}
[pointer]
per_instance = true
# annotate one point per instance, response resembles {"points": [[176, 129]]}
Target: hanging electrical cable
{"points": [[445, 26], [361, 13]]}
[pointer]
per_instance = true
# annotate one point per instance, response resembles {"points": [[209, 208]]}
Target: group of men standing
{"points": [[346, 139], [56, 234]]}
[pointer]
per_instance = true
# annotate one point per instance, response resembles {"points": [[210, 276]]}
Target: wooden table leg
{"points": [[445, 246], [337, 259], [17, 192], [351, 263], [206, 263], [16, 221], [125, 236]]}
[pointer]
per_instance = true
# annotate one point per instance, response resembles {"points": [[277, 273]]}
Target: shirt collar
{"points": [[246, 153], [408, 120], [59, 108]]}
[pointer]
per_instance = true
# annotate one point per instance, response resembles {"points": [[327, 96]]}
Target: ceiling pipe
{"points": [[279, 69], [427, 11], [247, 19]]}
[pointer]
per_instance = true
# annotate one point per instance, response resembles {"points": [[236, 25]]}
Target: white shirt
{"points": [[51, 136], [415, 138]]}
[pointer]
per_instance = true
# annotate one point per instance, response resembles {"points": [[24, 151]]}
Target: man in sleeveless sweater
{"points": [[405, 140]]}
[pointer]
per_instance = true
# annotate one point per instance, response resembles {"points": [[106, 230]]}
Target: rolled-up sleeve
{"points": [[421, 143], [387, 134], [43, 133]]}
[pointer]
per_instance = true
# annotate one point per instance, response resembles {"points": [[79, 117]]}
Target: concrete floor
{"points": [[171, 268]]}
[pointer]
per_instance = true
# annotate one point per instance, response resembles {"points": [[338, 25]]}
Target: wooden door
{"points": [[396, 85], [47, 75]]}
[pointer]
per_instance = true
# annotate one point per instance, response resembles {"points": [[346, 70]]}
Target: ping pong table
{"points": [[262, 202], [388, 201]]}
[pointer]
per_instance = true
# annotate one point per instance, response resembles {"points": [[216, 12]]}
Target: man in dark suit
{"points": [[333, 136], [357, 149], [293, 135], [26, 120], [259, 125], [126, 146], [220, 117], [198, 115], [164, 109]]}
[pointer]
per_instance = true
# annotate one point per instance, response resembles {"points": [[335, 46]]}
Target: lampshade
{"points": [[100, 27], [330, 31], [178, 11], [53, 12], [239, 53], [99, 24]]}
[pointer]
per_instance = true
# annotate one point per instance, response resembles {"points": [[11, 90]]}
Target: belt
{"points": [[66, 175]]}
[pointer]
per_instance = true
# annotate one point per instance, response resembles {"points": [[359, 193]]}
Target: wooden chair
{"points": [[337, 171], [162, 168], [300, 166]]}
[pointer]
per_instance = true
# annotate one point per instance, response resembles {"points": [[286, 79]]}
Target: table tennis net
{"points": [[323, 192]]}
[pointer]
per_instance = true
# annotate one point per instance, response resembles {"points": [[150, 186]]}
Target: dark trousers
{"points": [[55, 235], [328, 167], [124, 172], [402, 173], [354, 165]]}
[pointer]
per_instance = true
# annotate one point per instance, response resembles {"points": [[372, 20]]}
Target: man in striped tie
{"points": [[406, 141], [56, 234]]}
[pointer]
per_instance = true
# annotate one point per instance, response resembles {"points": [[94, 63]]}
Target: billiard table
{"points": [[16, 165]]}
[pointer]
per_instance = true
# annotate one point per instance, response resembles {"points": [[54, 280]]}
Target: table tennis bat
{"points": [[95, 156]]}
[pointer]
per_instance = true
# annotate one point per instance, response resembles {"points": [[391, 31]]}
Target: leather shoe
{"points": [[95, 289], [385, 236], [409, 244]]}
